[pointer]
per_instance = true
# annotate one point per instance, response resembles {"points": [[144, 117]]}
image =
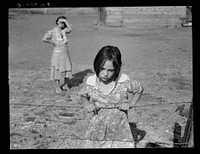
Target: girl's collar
{"points": [[91, 80]]}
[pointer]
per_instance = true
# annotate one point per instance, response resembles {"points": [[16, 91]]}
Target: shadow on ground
{"points": [[138, 134], [78, 78]]}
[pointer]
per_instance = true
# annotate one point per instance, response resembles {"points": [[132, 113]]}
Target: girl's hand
{"points": [[62, 20], [65, 20], [124, 106], [89, 107]]}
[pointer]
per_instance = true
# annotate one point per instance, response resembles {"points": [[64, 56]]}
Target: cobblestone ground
{"points": [[41, 119]]}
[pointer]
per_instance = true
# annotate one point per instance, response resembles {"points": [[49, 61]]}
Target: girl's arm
{"points": [[134, 98], [47, 38], [47, 41], [87, 105], [69, 27]]}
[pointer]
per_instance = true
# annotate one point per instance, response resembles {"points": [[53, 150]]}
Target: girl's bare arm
{"points": [[69, 27], [46, 40], [87, 105], [134, 98]]}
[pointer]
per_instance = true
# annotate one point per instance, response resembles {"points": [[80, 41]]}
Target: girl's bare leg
{"points": [[62, 79], [64, 84], [58, 88]]}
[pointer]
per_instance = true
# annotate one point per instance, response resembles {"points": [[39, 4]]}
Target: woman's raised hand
{"points": [[62, 20]]}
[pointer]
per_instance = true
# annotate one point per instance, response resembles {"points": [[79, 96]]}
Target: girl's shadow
{"points": [[77, 78]]}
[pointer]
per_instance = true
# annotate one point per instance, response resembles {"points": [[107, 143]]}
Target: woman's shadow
{"points": [[77, 78]]}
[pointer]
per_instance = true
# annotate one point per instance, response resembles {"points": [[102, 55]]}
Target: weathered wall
{"points": [[123, 16], [144, 16]]}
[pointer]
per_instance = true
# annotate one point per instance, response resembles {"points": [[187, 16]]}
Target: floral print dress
{"points": [[109, 123]]}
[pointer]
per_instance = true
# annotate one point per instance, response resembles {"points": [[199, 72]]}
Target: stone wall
{"points": [[143, 16]]}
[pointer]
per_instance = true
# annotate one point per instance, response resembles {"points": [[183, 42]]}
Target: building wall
{"points": [[143, 16]]}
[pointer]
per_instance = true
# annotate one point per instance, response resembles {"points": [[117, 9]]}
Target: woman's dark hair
{"points": [[106, 53], [61, 17]]}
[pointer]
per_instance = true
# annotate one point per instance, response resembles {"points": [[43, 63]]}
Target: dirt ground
{"points": [[160, 58]]}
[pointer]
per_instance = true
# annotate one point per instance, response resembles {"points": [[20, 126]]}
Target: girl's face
{"points": [[107, 71], [60, 24]]}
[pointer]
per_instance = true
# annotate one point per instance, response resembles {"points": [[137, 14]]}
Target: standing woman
{"points": [[61, 66]]}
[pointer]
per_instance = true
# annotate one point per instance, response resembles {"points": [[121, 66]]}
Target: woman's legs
{"points": [[61, 83], [58, 87], [64, 85], [56, 76], [61, 80]]}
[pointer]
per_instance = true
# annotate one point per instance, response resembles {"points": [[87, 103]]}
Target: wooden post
{"points": [[188, 138], [45, 10], [188, 12], [102, 14]]}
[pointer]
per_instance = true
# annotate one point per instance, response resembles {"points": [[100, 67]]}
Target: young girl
{"points": [[110, 94], [61, 66]]}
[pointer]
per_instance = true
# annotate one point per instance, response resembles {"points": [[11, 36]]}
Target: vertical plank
{"points": [[188, 134]]}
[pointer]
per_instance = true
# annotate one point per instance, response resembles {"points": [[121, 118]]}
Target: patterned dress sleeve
{"points": [[47, 36], [84, 91], [134, 86]]}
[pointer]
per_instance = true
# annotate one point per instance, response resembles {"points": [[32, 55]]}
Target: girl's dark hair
{"points": [[61, 17], [106, 53]]}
